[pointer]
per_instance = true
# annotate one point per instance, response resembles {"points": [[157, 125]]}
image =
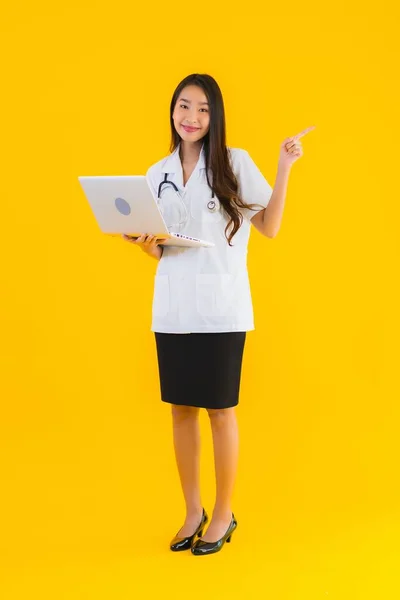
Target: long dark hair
{"points": [[225, 185]]}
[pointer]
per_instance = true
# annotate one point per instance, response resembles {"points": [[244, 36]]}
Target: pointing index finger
{"points": [[299, 135]]}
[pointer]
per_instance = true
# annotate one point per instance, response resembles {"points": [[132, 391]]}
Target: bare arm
{"points": [[268, 220]]}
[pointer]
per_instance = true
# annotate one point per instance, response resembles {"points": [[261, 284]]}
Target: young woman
{"points": [[202, 305]]}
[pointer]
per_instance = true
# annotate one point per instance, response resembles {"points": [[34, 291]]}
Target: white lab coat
{"points": [[199, 290]]}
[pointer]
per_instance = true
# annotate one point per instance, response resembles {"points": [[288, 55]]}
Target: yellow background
{"points": [[90, 495]]}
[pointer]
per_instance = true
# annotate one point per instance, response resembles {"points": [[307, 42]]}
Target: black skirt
{"points": [[200, 369]]}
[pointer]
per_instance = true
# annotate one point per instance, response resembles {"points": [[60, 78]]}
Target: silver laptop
{"points": [[125, 204]]}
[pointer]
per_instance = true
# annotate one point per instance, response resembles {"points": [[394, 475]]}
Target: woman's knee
{"points": [[181, 412], [220, 415]]}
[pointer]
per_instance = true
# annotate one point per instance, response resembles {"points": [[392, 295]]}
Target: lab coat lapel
{"points": [[173, 166]]}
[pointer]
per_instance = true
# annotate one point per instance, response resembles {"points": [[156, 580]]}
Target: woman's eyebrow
{"points": [[189, 101]]}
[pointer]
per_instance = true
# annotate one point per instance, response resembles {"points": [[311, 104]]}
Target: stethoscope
{"points": [[211, 205]]}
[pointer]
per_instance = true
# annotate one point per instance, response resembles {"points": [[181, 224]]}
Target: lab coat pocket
{"points": [[161, 296], [214, 297], [203, 207]]}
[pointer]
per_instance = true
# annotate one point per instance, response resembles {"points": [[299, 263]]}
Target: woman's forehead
{"points": [[193, 94]]}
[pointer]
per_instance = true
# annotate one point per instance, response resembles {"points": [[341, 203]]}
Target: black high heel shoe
{"points": [[184, 543], [201, 547]]}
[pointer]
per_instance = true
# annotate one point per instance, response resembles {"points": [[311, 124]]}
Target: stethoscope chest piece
{"points": [[212, 206]]}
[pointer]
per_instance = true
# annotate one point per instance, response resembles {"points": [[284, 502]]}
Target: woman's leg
{"points": [[226, 450], [186, 432]]}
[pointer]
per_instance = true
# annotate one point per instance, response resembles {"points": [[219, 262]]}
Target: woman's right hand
{"points": [[147, 242]]}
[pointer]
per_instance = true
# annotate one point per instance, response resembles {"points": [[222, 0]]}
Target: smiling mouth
{"points": [[190, 128]]}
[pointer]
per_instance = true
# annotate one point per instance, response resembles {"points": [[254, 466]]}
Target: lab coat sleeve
{"points": [[253, 187]]}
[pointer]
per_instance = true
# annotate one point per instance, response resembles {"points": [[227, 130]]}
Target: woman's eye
{"points": [[185, 106]]}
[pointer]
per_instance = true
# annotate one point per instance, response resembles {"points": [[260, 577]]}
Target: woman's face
{"points": [[191, 114]]}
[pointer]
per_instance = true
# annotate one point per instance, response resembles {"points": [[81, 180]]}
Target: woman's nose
{"points": [[192, 118]]}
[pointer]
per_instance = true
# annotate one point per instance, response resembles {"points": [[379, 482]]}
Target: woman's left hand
{"points": [[291, 148]]}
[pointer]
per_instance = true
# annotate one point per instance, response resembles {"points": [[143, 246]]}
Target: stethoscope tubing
{"points": [[211, 205]]}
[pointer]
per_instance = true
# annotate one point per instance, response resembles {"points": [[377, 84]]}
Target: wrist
{"points": [[284, 168], [157, 253]]}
